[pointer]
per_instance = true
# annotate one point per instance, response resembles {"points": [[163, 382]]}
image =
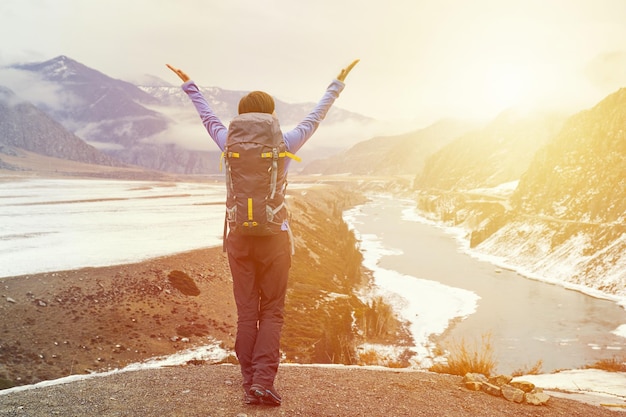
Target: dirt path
{"points": [[214, 391]]}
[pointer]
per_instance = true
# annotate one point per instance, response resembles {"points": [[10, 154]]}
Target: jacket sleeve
{"points": [[295, 138], [211, 122]]}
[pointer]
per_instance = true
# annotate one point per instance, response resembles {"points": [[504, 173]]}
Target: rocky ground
{"points": [[96, 319], [64, 323], [214, 390], [99, 319]]}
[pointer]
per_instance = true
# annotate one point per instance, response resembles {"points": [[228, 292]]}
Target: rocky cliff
{"points": [[562, 218]]}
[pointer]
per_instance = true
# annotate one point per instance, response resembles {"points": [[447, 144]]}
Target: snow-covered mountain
{"points": [[151, 125], [103, 111]]}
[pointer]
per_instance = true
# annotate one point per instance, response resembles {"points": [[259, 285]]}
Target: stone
{"points": [[473, 385], [474, 381], [491, 389], [536, 398], [512, 394], [500, 380], [523, 385], [474, 377], [11, 300]]}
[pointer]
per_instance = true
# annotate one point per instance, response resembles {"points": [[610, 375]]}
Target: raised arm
{"points": [[298, 136], [211, 122]]}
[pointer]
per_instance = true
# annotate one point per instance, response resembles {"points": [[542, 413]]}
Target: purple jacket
{"points": [[294, 139]]}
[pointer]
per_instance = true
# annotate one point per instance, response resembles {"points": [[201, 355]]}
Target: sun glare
{"points": [[506, 86]]}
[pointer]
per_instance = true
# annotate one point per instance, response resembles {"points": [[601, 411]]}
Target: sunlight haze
{"points": [[420, 60]]}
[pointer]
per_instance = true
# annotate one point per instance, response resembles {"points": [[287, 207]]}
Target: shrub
{"points": [[377, 319], [463, 359]]}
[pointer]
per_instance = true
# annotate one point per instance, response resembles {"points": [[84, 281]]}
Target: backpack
{"points": [[256, 178]]}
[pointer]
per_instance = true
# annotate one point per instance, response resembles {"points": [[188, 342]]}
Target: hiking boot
{"points": [[250, 399], [268, 396]]}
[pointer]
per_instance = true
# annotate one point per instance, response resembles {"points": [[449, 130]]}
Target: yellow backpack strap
{"points": [[282, 155], [291, 155], [230, 155]]}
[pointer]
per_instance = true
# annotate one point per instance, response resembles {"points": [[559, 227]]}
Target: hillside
{"points": [[581, 174], [564, 222], [391, 155], [497, 153], [569, 221], [24, 127]]}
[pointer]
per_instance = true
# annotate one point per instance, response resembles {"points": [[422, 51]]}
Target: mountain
{"points": [[147, 125], [24, 127], [391, 155], [569, 219], [499, 152], [581, 174], [565, 221], [106, 112]]}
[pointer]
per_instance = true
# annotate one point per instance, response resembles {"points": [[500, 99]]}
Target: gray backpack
{"points": [[256, 179]]}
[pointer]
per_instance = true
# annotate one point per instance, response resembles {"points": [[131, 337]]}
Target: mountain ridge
{"points": [[145, 125]]}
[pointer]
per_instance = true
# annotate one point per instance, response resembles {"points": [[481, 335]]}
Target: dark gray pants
{"points": [[260, 269]]}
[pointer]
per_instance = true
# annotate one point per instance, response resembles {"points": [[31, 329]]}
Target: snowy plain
{"points": [[57, 224], [51, 225]]}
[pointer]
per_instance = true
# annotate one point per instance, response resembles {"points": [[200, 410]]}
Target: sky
{"points": [[421, 60]]}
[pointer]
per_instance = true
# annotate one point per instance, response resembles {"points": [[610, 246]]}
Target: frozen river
{"points": [[432, 279], [53, 225]]}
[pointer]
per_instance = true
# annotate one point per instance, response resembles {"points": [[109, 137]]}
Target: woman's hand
{"points": [[344, 72], [180, 73]]}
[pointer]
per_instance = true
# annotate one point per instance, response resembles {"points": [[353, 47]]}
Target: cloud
{"points": [[186, 130], [31, 87]]}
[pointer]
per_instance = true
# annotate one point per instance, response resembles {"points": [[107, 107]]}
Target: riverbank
{"points": [[450, 297]]}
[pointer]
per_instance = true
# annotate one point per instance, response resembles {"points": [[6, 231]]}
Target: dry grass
{"points": [[615, 364], [533, 370], [463, 358]]}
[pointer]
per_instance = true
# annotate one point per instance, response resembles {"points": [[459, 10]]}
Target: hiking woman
{"points": [[260, 264]]}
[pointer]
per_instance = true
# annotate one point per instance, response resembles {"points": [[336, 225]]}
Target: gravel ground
{"points": [[214, 390]]}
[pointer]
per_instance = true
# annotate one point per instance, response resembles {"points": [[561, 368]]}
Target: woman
{"points": [[260, 264]]}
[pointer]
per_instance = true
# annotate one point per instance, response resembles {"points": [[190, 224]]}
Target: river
{"points": [[50, 225], [525, 319]]}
